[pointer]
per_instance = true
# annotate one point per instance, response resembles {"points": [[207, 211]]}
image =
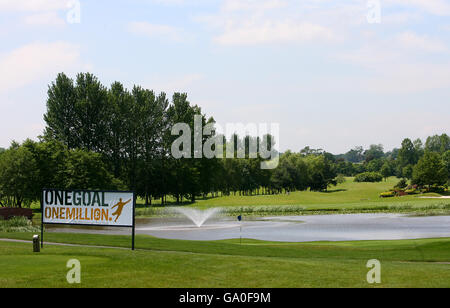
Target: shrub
{"points": [[387, 194], [411, 192], [18, 224], [370, 177], [340, 179], [436, 189], [401, 184]]}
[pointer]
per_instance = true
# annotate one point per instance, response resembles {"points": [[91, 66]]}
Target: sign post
{"points": [[88, 208], [42, 223]]}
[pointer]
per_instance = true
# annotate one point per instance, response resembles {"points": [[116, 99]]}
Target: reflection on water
{"points": [[287, 229]]}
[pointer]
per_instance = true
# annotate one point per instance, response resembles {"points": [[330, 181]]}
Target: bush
{"points": [[401, 184], [340, 179], [18, 224], [411, 191], [370, 177], [387, 194], [436, 189]]}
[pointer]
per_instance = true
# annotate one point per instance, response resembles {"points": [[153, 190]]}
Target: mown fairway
{"points": [[349, 193], [171, 263], [349, 196]]}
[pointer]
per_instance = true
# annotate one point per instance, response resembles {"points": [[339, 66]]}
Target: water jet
{"points": [[198, 217]]}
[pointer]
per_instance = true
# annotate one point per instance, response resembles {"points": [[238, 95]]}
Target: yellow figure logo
{"points": [[119, 210]]}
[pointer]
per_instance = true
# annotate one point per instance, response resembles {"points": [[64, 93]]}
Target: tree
{"points": [[355, 155], [374, 165], [308, 151], [321, 173], [402, 184], [430, 170], [375, 151], [185, 173], [438, 144], [419, 148], [386, 171], [91, 112], [445, 143], [51, 158], [120, 102], [61, 117], [28, 168], [86, 170], [407, 171], [408, 153], [153, 125], [292, 173], [446, 159], [18, 178], [345, 168], [77, 114]]}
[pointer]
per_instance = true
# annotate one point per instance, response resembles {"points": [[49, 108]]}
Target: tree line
{"points": [[422, 163], [114, 138]]}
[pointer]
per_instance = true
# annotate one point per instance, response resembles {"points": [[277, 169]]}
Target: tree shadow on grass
{"points": [[166, 205], [334, 191], [173, 203]]}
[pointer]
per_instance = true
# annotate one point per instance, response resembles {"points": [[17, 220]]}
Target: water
{"points": [[351, 227], [198, 217]]}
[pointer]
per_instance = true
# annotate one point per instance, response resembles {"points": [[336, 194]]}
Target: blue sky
{"points": [[330, 72]]}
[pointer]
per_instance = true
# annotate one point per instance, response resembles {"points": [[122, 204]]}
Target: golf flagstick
{"points": [[240, 228], [241, 233]]}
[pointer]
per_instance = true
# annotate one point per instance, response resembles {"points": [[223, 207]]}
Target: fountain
{"points": [[198, 217]]}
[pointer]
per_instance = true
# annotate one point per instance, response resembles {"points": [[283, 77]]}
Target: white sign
{"points": [[88, 208]]}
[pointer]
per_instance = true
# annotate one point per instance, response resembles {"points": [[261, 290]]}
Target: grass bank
{"points": [[430, 208], [348, 197], [174, 263]]}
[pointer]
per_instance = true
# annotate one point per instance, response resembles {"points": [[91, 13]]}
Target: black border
{"points": [[133, 226]]}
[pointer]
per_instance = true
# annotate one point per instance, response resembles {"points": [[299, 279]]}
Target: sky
{"points": [[334, 74]]}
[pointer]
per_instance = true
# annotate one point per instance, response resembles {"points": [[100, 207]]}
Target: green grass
{"points": [[175, 263], [349, 197], [349, 192]]}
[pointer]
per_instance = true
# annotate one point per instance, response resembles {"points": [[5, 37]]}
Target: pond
{"points": [[352, 227]]}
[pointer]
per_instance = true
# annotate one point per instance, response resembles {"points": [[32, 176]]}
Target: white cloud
{"points": [[169, 85], [33, 5], [238, 5], [417, 42], [399, 18], [435, 7], [44, 19], [250, 33], [38, 12], [164, 32], [33, 62], [169, 2], [396, 65], [252, 22]]}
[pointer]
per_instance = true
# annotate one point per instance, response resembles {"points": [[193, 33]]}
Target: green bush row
{"points": [[18, 224], [371, 177]]}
